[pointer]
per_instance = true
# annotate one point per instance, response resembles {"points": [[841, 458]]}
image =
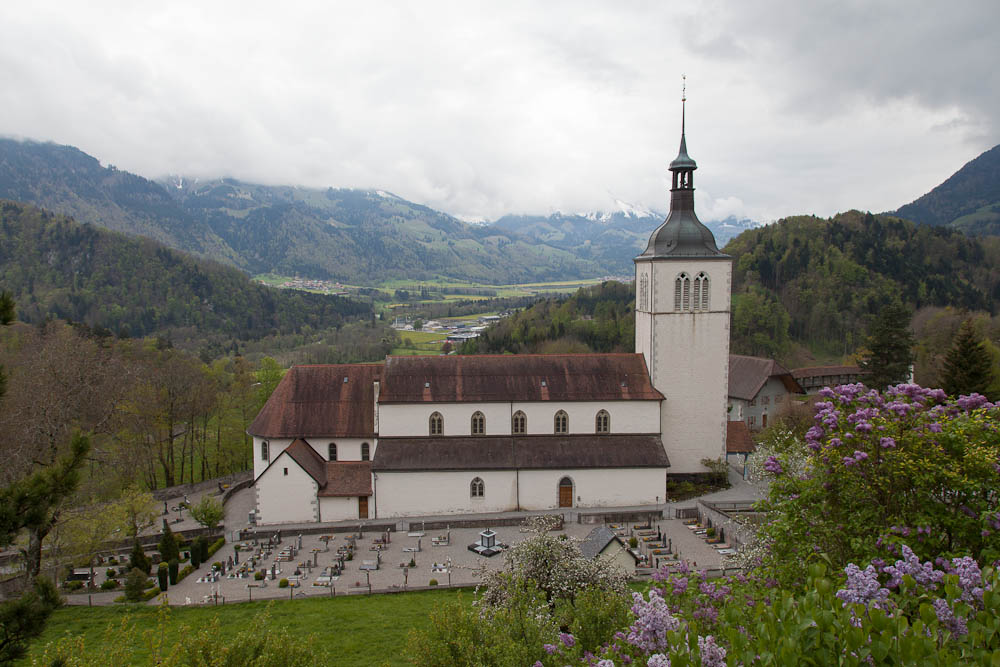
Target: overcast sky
{"points": [[485, 108]]}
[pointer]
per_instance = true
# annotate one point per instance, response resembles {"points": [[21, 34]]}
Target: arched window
{"points": [[519, 423], [565, 492], [701, 292], [603, 420], [562, 422], [332, 452], [682, 292], [478, 423], [437, 424], [264, 455], [477, 489], [365, 452]]}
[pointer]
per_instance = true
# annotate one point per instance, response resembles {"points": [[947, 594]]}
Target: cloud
{"points": [[481, 109]]}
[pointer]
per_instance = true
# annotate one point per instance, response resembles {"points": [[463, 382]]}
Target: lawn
{"points": [[349, 630]]}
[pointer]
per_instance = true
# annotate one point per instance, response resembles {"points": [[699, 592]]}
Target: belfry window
{"points": [[477, 489], [519, 423], [332, 452], [700, 301], [682, 292], [436, 424], [603, 420], [562, 422], [478, 423]]}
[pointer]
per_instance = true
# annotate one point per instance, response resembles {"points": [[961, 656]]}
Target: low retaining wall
{"points": [[720, 516], [186, 489]]}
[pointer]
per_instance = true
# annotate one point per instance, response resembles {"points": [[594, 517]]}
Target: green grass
{"points": [[349, 630]]}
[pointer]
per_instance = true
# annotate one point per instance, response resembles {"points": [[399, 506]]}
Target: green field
{"points": [[349, 630]]}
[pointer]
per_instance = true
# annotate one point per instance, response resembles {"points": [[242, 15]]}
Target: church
{"points": [[438, 435]]}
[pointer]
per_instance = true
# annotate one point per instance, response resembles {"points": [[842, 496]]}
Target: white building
{"points": [[469, 434], [759, 389]]}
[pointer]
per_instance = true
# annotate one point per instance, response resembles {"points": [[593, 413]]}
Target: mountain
{"points": [[969, 200], [355, 236], [612, 239], [56, 267]]}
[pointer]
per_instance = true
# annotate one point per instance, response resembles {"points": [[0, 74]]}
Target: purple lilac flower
{"points": [[680, 585], [538, 663], [712, 655], [567, 639], [923, 573], [863, 587], [934, 427], [550, 648], [970, 579], [658, 660], [887, 442], [653, 621], [772, 465], [606, 663], [954, 624]]}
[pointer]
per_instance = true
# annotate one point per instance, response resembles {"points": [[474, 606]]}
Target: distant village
{"points": [[455, 331]]}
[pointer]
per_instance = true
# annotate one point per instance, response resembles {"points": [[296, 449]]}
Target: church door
{"points": [[362, 507], [565, 492]]}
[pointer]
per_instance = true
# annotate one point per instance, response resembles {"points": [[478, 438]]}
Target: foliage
{"points": [[137, 510], [168, 547], [718, 471], [890, 344], [138, 560], [23, 618], [162, 577], [760, 323], [968, 366], [172, 568], [208, 511], [861, 481]]}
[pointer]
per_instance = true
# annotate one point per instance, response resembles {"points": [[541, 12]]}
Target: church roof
{"points": [[748, 374], [347, 478], [522, 377], [316, 401], [598, 539], [307, 458], [525, 452]]}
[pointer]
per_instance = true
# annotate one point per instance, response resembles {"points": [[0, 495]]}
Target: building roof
{"points": [[814, 371], [522, 377], [528, 452], [738, 440], [307, 458], [748, 374], [316, 401], [598, 539], [347, 478]]}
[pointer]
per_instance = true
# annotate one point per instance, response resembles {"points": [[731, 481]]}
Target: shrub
{"points": [[413, 562], [258, 576], [109, 585], [218, 544], [710, 532], [633, 542], [172, 568], [135, 584], [432, 582], [283, 583], [74, 585], [162, 576], [138, 560], [168, 545], [196, 555], [110, 573]]}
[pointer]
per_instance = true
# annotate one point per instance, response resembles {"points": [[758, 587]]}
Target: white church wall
{"points": [[286, 493], [274, 448], [338, 509], [413, 419], [616, 487], [419, 493], [626, 416], [348, 449]]}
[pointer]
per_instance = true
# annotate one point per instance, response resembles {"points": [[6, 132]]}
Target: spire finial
{"points": [[684, 98]]}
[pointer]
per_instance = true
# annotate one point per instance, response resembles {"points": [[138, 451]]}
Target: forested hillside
{"points": [[56, 267], [803, 288]]}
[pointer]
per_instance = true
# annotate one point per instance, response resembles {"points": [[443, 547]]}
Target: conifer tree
{"points": [[890, 348], [968, 366]]}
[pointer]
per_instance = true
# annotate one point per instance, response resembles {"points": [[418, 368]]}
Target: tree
{"points": [[138, 560], [968, 366], [168, 544], [24, 618], [890, 348], [137, 510], [135, 584], [208, 511]]}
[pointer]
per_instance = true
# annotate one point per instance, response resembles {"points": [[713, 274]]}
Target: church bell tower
{"points": [[683, 285]]}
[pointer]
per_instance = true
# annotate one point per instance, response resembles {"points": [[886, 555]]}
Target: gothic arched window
{"points": [[700, 292], [264, 454], [331, 452], [436, 424], [603, 420], [478, 423], [682, 292], [477, 489], [519, 423], [562, 422]]}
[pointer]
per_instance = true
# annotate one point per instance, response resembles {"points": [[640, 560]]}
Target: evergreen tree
{"points": [[968, 366], [890, 348], [138, 560], [169, 548], [135, 584]]}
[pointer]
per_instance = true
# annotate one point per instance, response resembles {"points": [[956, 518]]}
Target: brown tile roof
{"points": [[307, 458], [522, 377], [738, 440], [748, 374], [314, 401], [813, 371], [347, 478], [521, 452]]}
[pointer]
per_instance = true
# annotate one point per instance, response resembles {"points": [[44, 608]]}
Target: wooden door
{"points": [[565, 494], [362, 507]]}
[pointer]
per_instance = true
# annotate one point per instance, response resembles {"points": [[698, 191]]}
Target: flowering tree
{"points": [[877, 469]]}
